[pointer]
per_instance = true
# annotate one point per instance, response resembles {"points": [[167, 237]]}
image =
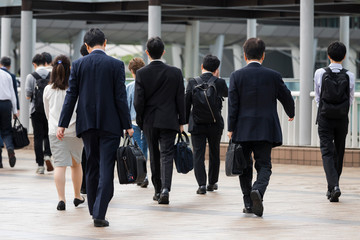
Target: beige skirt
{"points": [[63, 151]]}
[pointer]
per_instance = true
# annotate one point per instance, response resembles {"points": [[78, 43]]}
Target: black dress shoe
{"points": [[164, 196], [247, 210], [335, 194], [212, 187], [77, 201], [12, 158], [83, 191], [256, 199], [201, 189], [145, 183], [1, 165], [101, 223], [156, 196], [61, 206]]}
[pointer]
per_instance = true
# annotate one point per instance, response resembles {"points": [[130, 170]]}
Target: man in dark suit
{"points": [[160, 113], [207, 130], [253, 120], [97, 82]]}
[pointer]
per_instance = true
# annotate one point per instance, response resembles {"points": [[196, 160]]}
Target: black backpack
{"points": [[335, 94], [205, 102], [40, 85]]}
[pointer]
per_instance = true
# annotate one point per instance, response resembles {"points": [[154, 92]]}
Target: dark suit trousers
{"points": [[161, 159], [100, 149], [198, 140], [262, 156], [332, 134], [41, 137]]}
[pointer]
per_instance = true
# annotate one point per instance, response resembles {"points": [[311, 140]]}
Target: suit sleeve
{"points": [[180, 100], [233, 104], [225, 90], [284, 96], [139, 100], [188, 99], [121, 97], [71, 97]]}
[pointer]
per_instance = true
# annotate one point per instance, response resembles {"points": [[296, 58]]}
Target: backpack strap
{"points": [[36, 75], [212, 79], [198, 80]]}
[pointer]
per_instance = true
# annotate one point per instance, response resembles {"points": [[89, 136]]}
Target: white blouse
{"points": [[53, 103]]}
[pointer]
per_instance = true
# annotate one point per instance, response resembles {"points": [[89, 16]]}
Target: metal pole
{"points": [[77, 42], [195, 46], [306, 68], [345, 37], [154, 21], [25, 57], [5, 36], [188, 52], [251, 28]]}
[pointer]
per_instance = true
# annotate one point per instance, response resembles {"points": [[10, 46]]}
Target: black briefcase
{"points": [[183, 155], [235, 162], [131, 162], [19, 135]]}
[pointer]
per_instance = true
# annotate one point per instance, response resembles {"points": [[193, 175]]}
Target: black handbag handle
{"points": [[17, 122], [181, 139], [128, 141]]}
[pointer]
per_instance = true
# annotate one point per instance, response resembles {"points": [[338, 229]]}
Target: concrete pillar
{"points": [[33, 39], [189, 67], [77, 42], [306, 68], [26, 47], [344, 32], [238, 56], [295, 53], [251, 28], [176, 55], [154, 21], [352, 56], [218, 48], [5, 36], [195, 47]]}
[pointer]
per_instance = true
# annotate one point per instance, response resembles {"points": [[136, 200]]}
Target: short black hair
{"points": [[155, 47], [83, 50], [211, 63], [48, 57], [254, 48], [94, 37], [5, 61], [38, 59], [336, 51]]}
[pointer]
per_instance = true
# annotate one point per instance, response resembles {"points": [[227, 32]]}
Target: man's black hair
{"points": [[155, 47], [48, 57], [38, 59], [83, 50], [5, 61], [94, 37], [211, 63], [336, 51], [254, 48]]}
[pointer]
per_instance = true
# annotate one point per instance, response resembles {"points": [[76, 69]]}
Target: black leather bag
{"points": [[131, 162], [235, 162], [183, 155], [19, 135]]}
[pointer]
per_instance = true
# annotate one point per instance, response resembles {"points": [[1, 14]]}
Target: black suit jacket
{"points": [[15, 87], [252, 113], [159, 96], [97, 81], [222, 91]]}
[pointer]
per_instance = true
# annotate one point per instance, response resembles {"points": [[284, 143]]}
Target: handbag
{"points": [[131, 162], [235, 161], [19, 135], [183, 155]]}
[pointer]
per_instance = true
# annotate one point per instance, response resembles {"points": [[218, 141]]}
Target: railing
{"points": [[290, 130]]}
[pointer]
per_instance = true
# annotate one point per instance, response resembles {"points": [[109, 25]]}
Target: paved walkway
{"points": [[295, 208]]}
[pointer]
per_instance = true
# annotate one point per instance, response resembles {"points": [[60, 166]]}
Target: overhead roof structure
{"points": [[125, 21]]}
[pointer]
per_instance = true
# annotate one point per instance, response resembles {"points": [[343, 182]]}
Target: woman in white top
{"points": [[68, 151]]}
